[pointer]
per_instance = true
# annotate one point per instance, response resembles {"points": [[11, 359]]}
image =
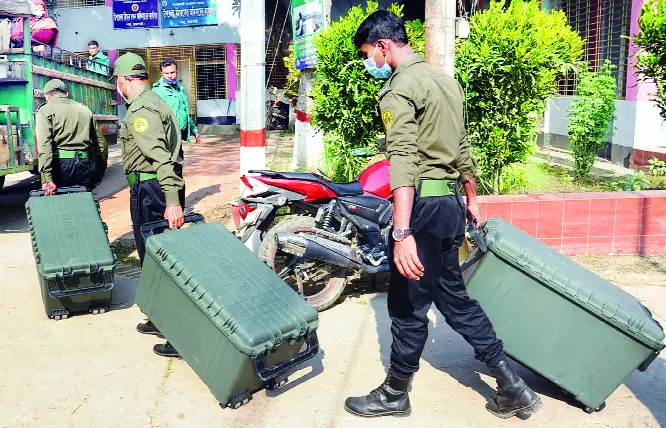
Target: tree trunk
{"points": [[440, 36]]}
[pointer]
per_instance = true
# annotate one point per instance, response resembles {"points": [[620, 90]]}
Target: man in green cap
{"points": [[152, 160], [171, 91], [66, 131]]}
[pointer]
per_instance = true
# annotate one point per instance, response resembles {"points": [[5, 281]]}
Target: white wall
{"points": [[80, 25], [637, 124]]}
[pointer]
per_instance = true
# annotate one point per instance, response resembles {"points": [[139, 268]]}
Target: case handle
{"points": [[60, 191], [157, 227], [266, 372], [473, 231], [59, 294]]}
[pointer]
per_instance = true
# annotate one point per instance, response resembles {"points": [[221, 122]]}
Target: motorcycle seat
{"points": [[341, 189]]}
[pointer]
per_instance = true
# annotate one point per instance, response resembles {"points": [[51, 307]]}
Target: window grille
{"points": [[278, 78], [211, 72], [603, 24], [68, 4]]}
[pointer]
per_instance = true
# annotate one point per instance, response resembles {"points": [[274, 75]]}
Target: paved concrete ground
{"points": [[96, 371]]}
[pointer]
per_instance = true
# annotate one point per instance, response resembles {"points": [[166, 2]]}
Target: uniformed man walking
{"points": [[152, 160], [72, 151], [171, 91], [422, 110]]}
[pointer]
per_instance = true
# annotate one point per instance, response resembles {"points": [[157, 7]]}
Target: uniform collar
{"points": [[97, 55], [411, 60], [134, 98]]}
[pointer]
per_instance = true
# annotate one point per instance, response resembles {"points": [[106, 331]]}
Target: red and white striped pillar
{"points": [[253, 94]]}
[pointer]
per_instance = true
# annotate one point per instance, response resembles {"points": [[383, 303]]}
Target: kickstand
{"points": [[373, 281]]}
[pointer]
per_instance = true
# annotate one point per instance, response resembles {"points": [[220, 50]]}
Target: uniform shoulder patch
{"points": [[387, 118], [140, 124]]}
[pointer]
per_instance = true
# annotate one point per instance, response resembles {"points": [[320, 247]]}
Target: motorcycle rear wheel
{"points": [[320, 294]]}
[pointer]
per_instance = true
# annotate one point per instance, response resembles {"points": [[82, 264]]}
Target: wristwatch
{"points": [[400, 234]]}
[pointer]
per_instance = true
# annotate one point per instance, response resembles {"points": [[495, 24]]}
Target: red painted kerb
{"points": [[588, 223]]}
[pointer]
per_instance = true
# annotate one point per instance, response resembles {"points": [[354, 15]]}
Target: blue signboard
{"points": [[135, 14], [188, 13]]}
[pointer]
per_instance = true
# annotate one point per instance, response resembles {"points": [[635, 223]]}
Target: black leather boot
{"points": [[513, 395], [166, 350], [148, 328], [389, 399]]}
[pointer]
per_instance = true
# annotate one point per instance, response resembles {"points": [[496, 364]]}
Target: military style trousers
{"points": [[74, 172], [147, 204], [439, 227]]}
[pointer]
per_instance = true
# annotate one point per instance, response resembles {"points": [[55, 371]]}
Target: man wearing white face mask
{"points": [[422, 111], [152, 160]]}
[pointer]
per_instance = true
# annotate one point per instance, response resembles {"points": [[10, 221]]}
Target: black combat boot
{"points": [[148, 328], [166, 350], [389, 399], [513, 394]]}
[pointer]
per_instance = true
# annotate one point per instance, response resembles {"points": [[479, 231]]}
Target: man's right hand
{"points": [[174, 215], [50, 188]]}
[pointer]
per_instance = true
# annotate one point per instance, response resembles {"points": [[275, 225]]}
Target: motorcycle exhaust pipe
{"points": [[310, 247]]}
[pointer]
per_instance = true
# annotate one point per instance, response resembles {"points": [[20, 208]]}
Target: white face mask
{"points": [[121, 92]]}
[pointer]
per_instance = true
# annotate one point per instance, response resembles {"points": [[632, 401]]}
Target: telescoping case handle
{"points": [[266, 372], [157, 227], [473, 230], [60, 191]]}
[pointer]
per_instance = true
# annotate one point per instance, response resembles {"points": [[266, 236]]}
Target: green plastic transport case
{"points": [[75, 263], [557, 318], [238, 325]]}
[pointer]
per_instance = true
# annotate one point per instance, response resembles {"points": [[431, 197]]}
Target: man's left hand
{"points": [[198, 140]]}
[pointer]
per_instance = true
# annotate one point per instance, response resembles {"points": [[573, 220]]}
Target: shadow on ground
{"points": [[124, 293], [448, 352]]}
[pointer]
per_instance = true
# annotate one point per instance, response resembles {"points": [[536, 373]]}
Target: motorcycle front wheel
{"points": [[321, 284]]}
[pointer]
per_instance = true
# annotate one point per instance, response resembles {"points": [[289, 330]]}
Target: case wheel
{"points": [[96, 311], [59, 314], [277, 382], [239, 400], [598, 409]]}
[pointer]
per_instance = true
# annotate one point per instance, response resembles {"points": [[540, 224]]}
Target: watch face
{"points": [[398, 234]]}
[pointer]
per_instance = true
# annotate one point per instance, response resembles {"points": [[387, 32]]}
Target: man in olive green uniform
{"points": [[72, 151], [152, 160], [422, 111], [171, 91]]}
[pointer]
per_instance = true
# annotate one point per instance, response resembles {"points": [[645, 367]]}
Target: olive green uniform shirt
{"points": [[64, 124], [150, 138], [422, 111]]}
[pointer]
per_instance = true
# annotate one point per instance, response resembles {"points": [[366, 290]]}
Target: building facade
{"points": [[208, 55], [638, 132]]}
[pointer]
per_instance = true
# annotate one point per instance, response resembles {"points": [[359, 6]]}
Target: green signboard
{"points": [[308, 20]]}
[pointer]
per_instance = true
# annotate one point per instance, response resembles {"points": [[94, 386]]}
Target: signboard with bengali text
{"points": [[128, 14], [188, 13]]}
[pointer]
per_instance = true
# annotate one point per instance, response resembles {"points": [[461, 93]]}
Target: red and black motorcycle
{"points": [[331, 229]]}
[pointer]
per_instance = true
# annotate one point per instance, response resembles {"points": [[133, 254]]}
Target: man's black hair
{"points": [[168, 63], [381, 24], [143, 76], [93, 43]]}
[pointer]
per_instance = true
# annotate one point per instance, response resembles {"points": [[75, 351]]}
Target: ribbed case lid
{"points": [[566, 277], [68, 235], [243, 297]]}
